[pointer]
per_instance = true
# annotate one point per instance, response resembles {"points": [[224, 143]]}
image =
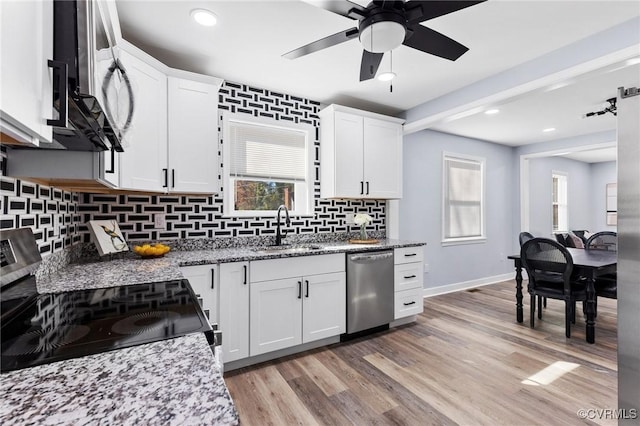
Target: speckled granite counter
{"points": [[133, 270], [174, 381], [171, 382]]}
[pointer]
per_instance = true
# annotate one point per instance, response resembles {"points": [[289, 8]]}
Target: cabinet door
{"points": [[203, 281], [324, 307], [276, 315], [234, 310], [26, 39], [348, 134], [145, 145], [382, 159], [193, 136]]}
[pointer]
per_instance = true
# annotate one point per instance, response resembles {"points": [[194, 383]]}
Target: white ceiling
{"points": [[247, 43], [594, 155]]}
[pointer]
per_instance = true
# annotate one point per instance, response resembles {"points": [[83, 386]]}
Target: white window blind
{"points": [[267, 152], [463, 198]]}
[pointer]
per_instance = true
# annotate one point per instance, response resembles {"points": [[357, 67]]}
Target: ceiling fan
{"points": [[607, 108], [384, 25]]}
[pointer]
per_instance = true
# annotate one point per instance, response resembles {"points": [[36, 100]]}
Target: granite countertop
{"points": [[133, 270], [170, 382], [175, 381]]}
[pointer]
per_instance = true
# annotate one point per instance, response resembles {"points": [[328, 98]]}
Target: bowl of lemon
{"points": [[151, 251]]}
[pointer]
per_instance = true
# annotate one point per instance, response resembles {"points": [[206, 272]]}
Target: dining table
{"points": [[588, 263]]}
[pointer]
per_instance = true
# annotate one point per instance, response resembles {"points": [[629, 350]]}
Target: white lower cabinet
{"points": [[408, 281], [204, 281], [276, 315], [234, 310], [295, 301]]}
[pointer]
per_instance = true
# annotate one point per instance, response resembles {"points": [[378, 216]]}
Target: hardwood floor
{"points": [[465, 361]]}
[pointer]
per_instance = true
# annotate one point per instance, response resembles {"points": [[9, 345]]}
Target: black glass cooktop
{"points": [[60, 326]]}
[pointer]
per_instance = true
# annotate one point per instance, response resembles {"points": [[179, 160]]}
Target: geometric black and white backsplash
{"points": [[58, 217]]}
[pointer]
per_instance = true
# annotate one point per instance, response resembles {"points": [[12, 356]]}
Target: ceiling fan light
{"points": [[387, 76], [204, 17], [382, 36]]}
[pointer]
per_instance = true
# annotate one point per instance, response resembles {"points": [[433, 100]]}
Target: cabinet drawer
{"points": [[408, 255], [408, 302], [274, 269], [408, 276]]}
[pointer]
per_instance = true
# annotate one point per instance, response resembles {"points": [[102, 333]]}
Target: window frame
{"points": [[303, 209], [564, 175], [448, 241]]}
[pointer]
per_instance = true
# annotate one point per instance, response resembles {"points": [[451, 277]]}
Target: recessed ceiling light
{"points": [[387, 76], [492, 111], [549, 129], [204, 17]]}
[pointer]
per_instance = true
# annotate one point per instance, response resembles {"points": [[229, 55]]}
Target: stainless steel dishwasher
{"points": [[369, 290]]}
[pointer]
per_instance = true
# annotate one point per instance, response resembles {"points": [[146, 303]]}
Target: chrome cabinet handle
{"points": [[63, 75]]}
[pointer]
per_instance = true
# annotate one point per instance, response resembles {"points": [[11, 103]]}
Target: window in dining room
{"points": [[560, 219], [463, 199]]}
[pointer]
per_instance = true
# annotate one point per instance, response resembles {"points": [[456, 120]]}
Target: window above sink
{"points": [[266, 165]]}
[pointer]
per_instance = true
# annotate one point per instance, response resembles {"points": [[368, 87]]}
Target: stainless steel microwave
{"points": [[87, 120]]}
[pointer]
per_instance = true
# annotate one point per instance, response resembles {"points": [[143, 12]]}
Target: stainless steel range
{"points": [[43, 328]]}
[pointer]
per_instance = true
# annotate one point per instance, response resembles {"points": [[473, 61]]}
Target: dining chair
{"points": [[549, 266], [606, 285], [523, 238], [604, 240]]}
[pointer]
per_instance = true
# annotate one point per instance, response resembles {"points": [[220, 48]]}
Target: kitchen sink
{"points": [[288, 249]]}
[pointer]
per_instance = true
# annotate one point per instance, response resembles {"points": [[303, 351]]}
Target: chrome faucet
{"points": [[279, 235]]}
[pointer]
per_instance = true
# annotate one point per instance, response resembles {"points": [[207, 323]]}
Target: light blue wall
{"points": [[579, 194], [421, 207], [601, 175]]}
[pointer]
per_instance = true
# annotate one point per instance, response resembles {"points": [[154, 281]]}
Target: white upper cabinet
{"points": [[361, 154], [193, 136], [172, 142], [26, 100]]}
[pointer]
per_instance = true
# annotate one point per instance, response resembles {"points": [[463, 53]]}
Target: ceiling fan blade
{"points": [[341, 7], [369, 66], [323, 43], [430, 41], [420, 11]]}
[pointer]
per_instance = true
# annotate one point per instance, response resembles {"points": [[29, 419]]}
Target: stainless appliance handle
{"points": [[377, 256]]}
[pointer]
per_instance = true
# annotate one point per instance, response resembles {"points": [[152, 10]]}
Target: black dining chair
{"points": [[604, 240], [550, 269], [523, 238], [606, 285]]}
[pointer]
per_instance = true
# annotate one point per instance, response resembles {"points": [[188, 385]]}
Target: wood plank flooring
{"points": [[464, 361]]}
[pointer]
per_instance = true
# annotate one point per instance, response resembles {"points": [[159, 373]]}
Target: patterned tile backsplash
{"points": [[58, 217]]}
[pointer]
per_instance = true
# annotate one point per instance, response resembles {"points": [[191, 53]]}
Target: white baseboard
{"points": [[465, 285]]}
